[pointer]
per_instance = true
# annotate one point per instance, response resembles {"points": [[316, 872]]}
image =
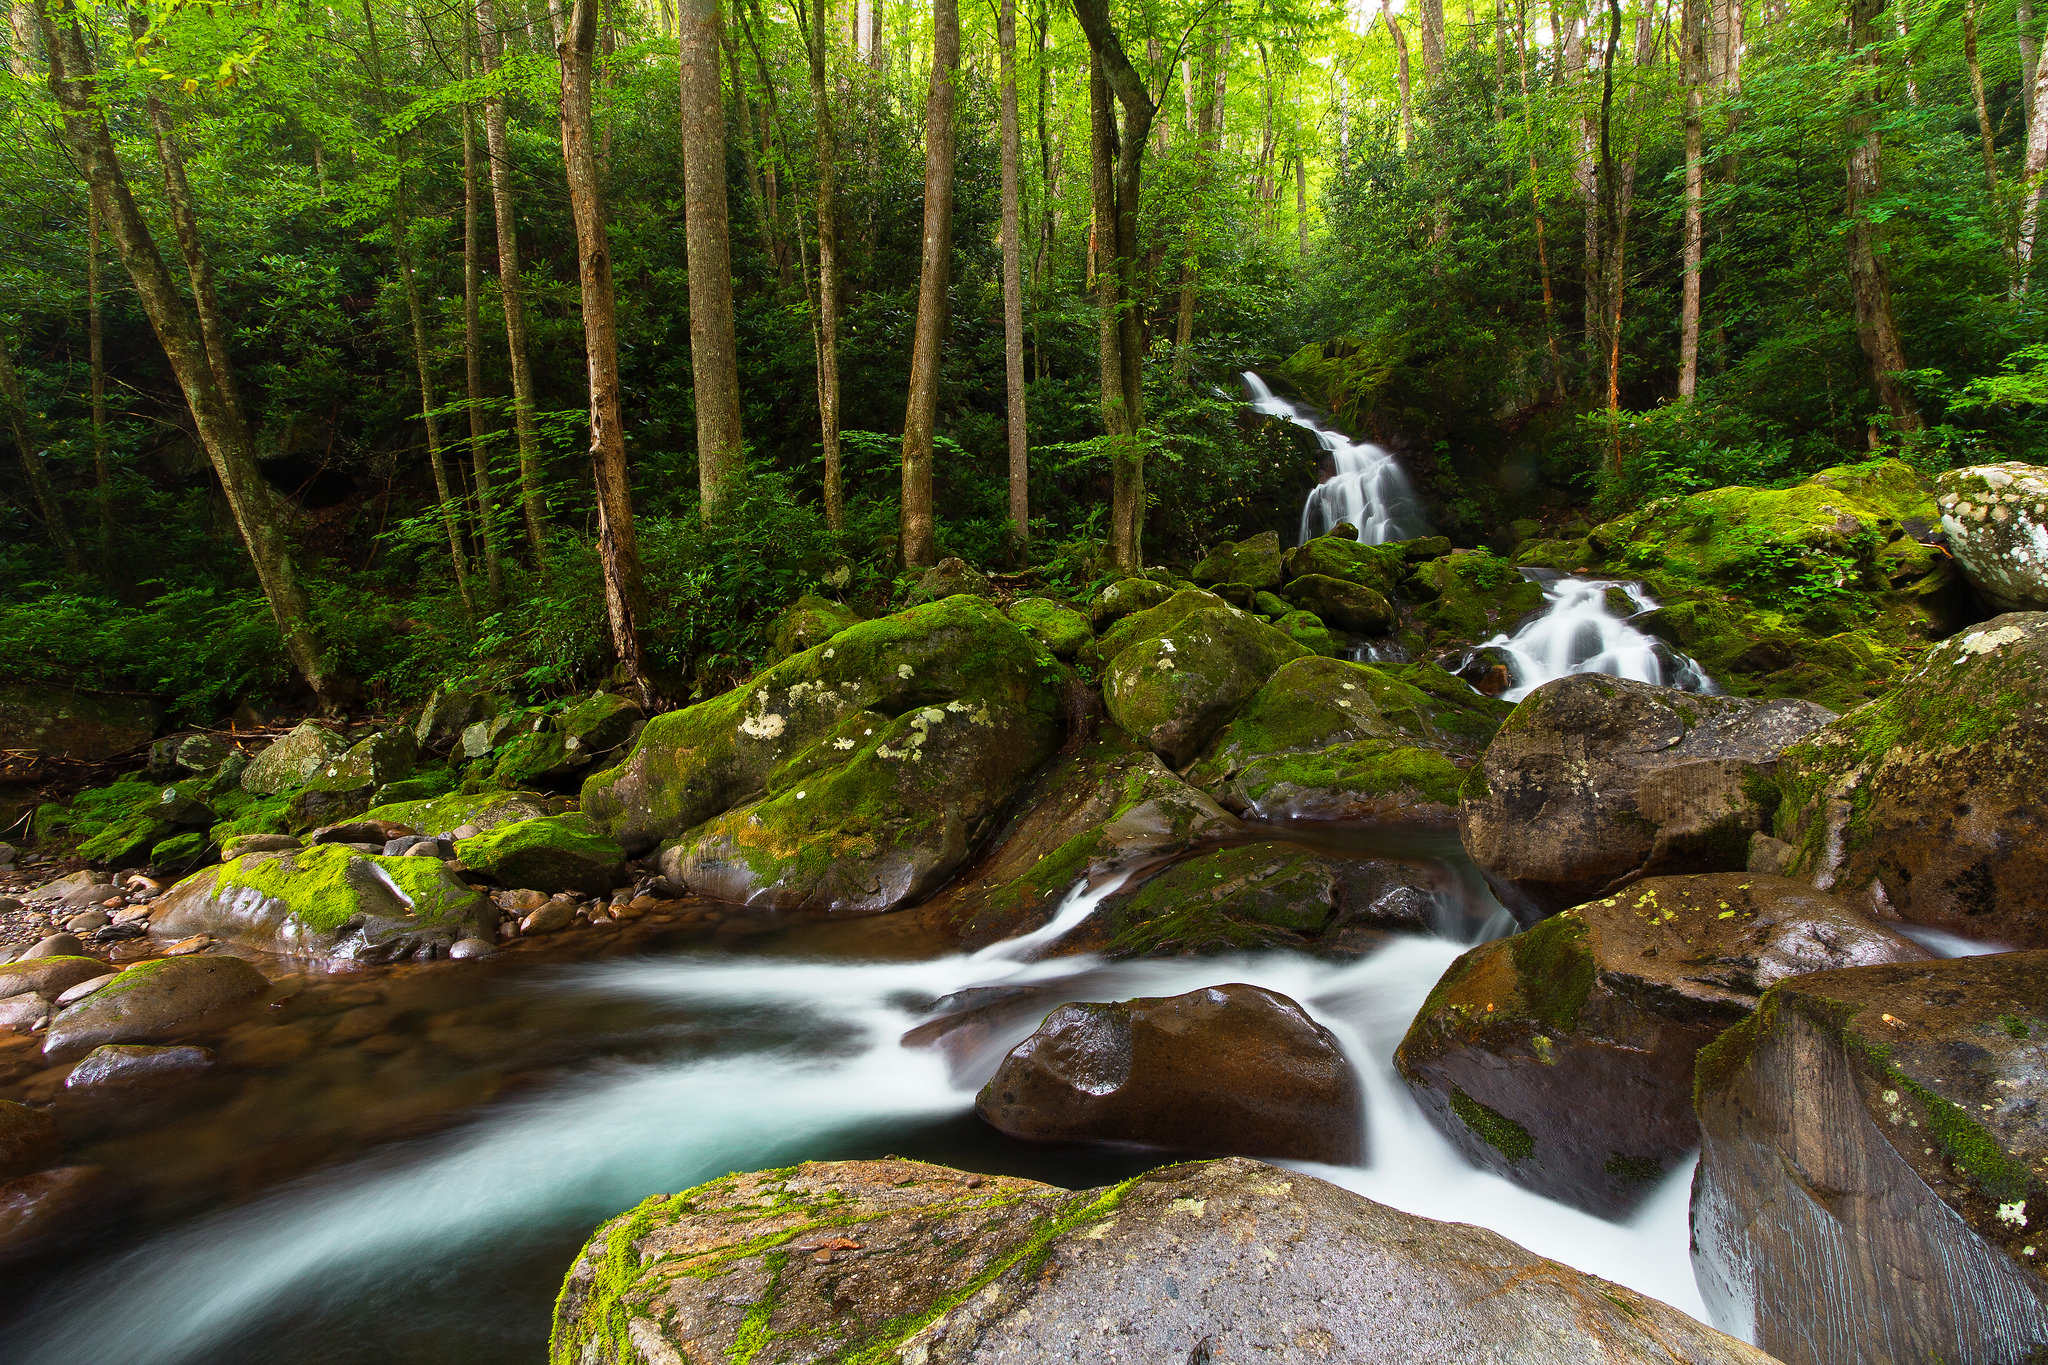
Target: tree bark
{"points": [[2030, 58], [213, 327], [919, 531], [21, 425], [1402, 86], [473, 357], [512, 287], [1432, 40], [1205, 154], [1869, 280], [1013, 278], [714, 360], [96, 350], [618, 549], [21, 53], [422, 352], [2034, 175], [1692, 57], [1536, 207], [223, 432], [766, 180], [825, 148]]}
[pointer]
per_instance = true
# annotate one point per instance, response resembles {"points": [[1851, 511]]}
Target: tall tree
{"points": [[2034, 174], [1432, 40], [920, 417], [1013, 278], [473, 349], [625, 594], [814, 20], [714, 359], [96, 362], [217, 415], [1692, 61], [1870, 284], [21, 426], [1402, 85], [1205, 154]]}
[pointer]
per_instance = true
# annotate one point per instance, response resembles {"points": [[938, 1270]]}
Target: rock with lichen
{"points": [[552, 853], [1254, 562], [1174, 689], [1055, 625], [1996, 517]]}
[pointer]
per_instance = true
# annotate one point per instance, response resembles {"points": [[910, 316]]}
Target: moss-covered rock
{"points": [[328, 903], [599, 723], [150, 999], [809, 621], [1468, 597], [553, 853], [1123, 597], [181, 851], [1996, 517], [450, 710], [1562, 1058], [1364, 780], [424, 785], [1055, 625], [1147, 624], [1764, 656], [1174, 690], [1379, 567], [442, 816], [1343, 603], [1926, 803], [1255, 561], [293, 759], [1306, 629], [950, 577], [1309, 703], [484, 736], [538, 757]]}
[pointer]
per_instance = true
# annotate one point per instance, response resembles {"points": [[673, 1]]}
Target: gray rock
{"points": [[1217, 1261], [78, 890], [151, 998], [558, 913], [23, 1013], [50, 975], [259, 843], [449, 712], [89, 921], [73, 994], [56, 945], [472, 948], [8, 853], [1996, 517], [126, 1063], [948, 578], [290, 761]]}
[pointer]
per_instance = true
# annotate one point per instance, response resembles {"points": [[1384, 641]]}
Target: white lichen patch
{"points": [[842, 743], [768, 725], [2014, 1213], [904, 671]]}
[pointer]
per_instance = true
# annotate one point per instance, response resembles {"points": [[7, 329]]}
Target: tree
{"points": [[625, 592], [919, 534], [1692, 61], [825, 147], [1870, 284], [19, 425], [1013, 280], [714, 357], [473, 348]]}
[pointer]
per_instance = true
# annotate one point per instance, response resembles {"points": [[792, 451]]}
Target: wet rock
{"points": [[1343, 603], [77, 890], [1122, 598], [259, 843], [1886, 1123], [1996, 517], [137, 1063], [149, 999], [1468, 597], [29, 1138], [66, 723], [276, 1045], [56, 945], [376, 832], [23, 1013], [1925, 803], [1379, 567], [451, 710], [950, 577], [472, 948], [43, 1211], [1562, 1058], [1218, 1261], [87, 922], [555, 853], [1255, 562], [445, 815], [1594, 782], [1059, 628], [73, 994], [327, 902], [292, 760], [809, 621], [558, 913], [50, 975], [1236, 1070], [1173, 691]]}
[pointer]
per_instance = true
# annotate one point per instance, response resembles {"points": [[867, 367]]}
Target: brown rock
{"points": [[29, 1138], [49, 976], [149, 999], [47, 1207], [277, 1045]]}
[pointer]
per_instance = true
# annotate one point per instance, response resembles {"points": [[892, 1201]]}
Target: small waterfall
{"points": [[1577, 633], [1368, 490]]}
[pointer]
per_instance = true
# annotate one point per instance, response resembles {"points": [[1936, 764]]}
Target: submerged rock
{"points": [[48, 1207], [553, 853], [1235, 1070], [1594, 782], [29, 1138], [1223, 1260], [149, 999], [1926, 803], [135, 1063], [1996, 516], [1562, 1058], [1871, 1185]]}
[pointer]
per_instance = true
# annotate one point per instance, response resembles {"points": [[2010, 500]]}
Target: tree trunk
{"points": [[1906, 56], [2030, 59], [714, 360], [919, 532], [1301, 202], [95, 338], [422, 352], [1432, 40], [1985, 133], [213, 326], [21, 53], [21, 426], [1205, 153], [222, 431], [1013, 278], [2034, 175], [1869, 280], [473, 357], [766, 179], [1401, 75], [1536, 208], [1692, 56], [825, 146]]}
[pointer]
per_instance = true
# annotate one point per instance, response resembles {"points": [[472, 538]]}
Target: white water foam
{"points": [[1368, 489], [1576, 633], [383, 1225]]}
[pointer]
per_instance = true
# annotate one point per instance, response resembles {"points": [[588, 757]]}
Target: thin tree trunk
{"points": [[767, 188], [1906, 55], [1432, 40], [1205, 153], [95, 333], [21, 53], [421, 354], [1013, 278], [473, 355], [618, 549], [919, 531], [213, 327], [1536, 207], [714, 361], [1692, 58], [511, 287], [21, 426], [1869, 280], [1984, 130], [2034, 175], [222, 431], [1401, 76], [2030, 59], [1301, 202], [825, 146]]}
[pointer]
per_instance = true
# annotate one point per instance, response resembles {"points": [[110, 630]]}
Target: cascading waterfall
{"points": [[1368, 489], [1578, 633]]}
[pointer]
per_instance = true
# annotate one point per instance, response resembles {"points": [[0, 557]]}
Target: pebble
{"points": [[124, 1062], [198, 943], [89, 921], [472, 947], [83, 989], [465, 832], [523, 901], [22, 1013], [273, 1046], [56, 945], [427, 848], [134, 914], [556, 914]]}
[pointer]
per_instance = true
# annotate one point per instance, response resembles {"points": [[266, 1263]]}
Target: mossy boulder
{"points": [[1926, 803], [599, 723], [424, 785], [1147, 624], [441, 816], [553, 853], [1123, 597], [1886, 1122], [49, 977], [293, 759], [181, 851], [1309, 703], [948, 578], [1343, 603], [809, 621], [1594, 782], [1996, 516], [1562, 1058], [1469, 597], [1761, 655], [149, 1000], [1306, 629], [481, 738], [1255, 561], [451, 709], [327, 903], [1379, 567], [1055, 625], [1364, 780], [1175, 690]]}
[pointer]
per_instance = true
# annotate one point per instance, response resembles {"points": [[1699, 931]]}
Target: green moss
{"points": [[1634, 1170], [1059, 628], [1995, 1173], [551, 853], [1366, 769], [1252, 896], [2015, 1026], [1306, 629], [323, 893], [444, 814], [259, 815], [1555, 970], [1496, 1129]]}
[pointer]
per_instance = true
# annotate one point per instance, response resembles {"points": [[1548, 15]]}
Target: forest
{"points": [[349, 348]]}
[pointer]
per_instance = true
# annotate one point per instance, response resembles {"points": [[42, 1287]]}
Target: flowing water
{"points": [[695, 1061], [1579, 631], [1367, 488]]}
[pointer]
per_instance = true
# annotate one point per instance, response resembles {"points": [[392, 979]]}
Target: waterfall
{"points": [[1577, 633], [1368, 488]]}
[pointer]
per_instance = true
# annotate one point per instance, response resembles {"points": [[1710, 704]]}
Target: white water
{"points": [[386, 1230], [1368, 488], [1578, 634]]}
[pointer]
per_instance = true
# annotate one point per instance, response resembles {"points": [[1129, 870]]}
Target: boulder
{"points": [[29, 1139], [538, 756], [1562, 1058], [1230, 1260], [74, 890], [1379, 567], [1233, 1070], [1870, 1184], [259, 843], [1173, 691], [1255, 562], [483, 736], [1123, 597], [1343, 603], [1468, 597], [134, 1063], [442, 816], [553, 853], [599, 723], [42, 1211], [55, 945], [49, 977], [451, 710], [1059, 628], [292, 760], [1306, 629], [63, 722], [329, 903], [1926, 803], [809, 621], [1594, 782], [950, 577], [1996, 516], [151, 999]]}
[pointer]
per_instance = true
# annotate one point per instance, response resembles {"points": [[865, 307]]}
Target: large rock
{"points": [[1468, 597], [293, 759], [1343, 603], [149, 1000], [63, 722], [1233, 1070], [808, 621], [451, 710], [1996, 516], [1562, 1058], [442, 816], [599, 723], [1594, 782], [1254, 562], [1058, 627], [950, 577], [29, 1138], [1174, 690], [1124, 597], [328, 903], [1216, 1261], [1871, 1185], [554, 853], [1927, 803], [49, 977], [1379, 567]]}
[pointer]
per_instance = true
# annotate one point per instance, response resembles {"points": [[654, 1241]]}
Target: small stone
{"points": [[462, 832], [556, 914], [56, 945], [23, 1013], [8, 853], [125, 1063], [135, 950], [472, 948], [523, 901], [74, 994], [133, 915], [139, 885], [89, 921], [426, 848], [184, 947], [398, 848]]}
